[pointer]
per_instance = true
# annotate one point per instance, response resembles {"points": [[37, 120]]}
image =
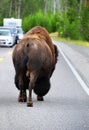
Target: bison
{"points": [[34, 60]]}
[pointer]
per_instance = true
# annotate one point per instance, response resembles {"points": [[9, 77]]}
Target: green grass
{"points": [[77, 42]]}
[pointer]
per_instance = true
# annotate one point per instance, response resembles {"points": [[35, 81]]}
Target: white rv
{"points": [[17, 24]]}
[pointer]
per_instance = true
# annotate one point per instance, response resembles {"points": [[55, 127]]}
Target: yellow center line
{"points": [[10, 52], [1, 59]]}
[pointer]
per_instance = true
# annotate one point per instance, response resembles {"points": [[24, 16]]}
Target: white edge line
{"points": [[78, 77]]}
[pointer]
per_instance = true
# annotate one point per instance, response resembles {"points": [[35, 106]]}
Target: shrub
{"points": [[85, 23], [48, 21], [69, 29]]}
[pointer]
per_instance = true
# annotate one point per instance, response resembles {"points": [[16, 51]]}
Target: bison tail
{"points": [[25, 82]]}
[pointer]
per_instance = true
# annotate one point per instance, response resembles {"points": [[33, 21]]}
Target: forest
{"points": [[70, 18]]}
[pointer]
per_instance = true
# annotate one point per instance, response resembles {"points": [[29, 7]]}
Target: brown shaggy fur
{"points": [[42, 33], [34, 60]]}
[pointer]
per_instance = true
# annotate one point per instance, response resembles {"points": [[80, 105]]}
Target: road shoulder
{"points": [[78, 60]]}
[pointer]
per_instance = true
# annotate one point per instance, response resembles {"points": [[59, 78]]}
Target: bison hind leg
{"points": [[25, 81], [40, 98], [22, 96], [42, 87]]}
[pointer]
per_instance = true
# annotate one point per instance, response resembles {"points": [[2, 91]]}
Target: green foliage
{"points": [[70, 29], [71, 17], [85, 23], [74, 20], [48, 21], [1, 21], [31, 7]]}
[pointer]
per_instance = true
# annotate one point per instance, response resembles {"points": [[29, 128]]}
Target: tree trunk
{"points": [[10, 11], [19, 9], [46, 4], [16, 9], [54, 6], [80, 6]]}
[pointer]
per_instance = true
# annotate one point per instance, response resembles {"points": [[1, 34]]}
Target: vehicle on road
{"points": [[20, 34], [13, 31], [16, 24], [6, 38], [12, 22]]}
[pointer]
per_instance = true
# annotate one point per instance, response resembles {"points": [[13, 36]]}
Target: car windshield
{"points": [[4, 33], [19, 31], [13, 30]]}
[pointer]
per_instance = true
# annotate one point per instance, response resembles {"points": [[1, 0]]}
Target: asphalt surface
{"points": [[80, 49], [79, 57], [65, 107]]}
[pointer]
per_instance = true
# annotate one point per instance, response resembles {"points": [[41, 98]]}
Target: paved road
{"points": [[79, 57], [80, 49], [66, 106]]}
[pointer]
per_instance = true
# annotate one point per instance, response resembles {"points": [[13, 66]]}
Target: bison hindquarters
{"points": [[39, 65], [42, 87], [34, 60]]}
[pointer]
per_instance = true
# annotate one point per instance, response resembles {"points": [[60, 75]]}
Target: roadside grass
{"points": [[68, 40]]}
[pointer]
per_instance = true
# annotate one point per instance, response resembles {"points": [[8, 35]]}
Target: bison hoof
{"points": [[29, 104], [22, 99], [40, 98]]}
